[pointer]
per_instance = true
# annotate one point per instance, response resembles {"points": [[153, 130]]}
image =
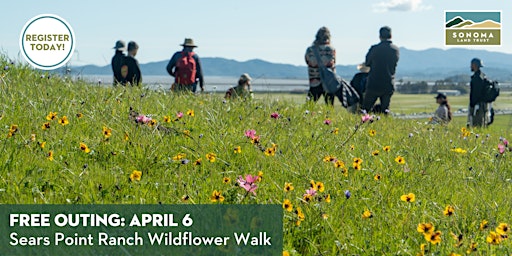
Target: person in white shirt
{"points": [[443, 114]]}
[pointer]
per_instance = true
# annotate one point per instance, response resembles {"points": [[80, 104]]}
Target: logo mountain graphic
{"points": [[459, 22]]}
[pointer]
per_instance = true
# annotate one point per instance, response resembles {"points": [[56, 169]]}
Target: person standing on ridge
{"points": [[382, 59], [119, 68], [185, 67], [328, 58]]}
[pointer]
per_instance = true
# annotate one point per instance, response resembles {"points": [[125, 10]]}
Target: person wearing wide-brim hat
{"points": [[359, 83], [185, 67], [242, 90], [117, 64]]}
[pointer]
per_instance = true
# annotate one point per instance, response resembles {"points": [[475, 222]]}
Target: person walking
{"points": [[118, 67], [185, 67], [443, 114], [242, 90], [478, 109], [134, 76], [327, 54], [382, 59]]}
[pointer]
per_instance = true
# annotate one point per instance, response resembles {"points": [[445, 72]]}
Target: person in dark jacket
{"points": [[117, 63], [382, 59], [359, 83], [134, 76], [478, 115], [173, 70]]}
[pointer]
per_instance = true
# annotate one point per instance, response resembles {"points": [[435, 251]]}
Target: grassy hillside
{"points": [[348, 187]]}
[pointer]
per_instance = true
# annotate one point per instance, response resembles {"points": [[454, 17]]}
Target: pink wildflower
{"points": [[327, 121], [501, 148], [310, 192], [250, 134], [143, 119], [505, 141], [179, 114], [248, 183], [366, 118], [274, 115]]}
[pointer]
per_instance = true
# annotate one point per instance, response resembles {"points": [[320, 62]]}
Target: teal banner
{"points": [[141, 229]]}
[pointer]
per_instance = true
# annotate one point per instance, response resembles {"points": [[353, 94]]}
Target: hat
{"points": [[385, 32], [478, 62], [119, 45], [188, 42], [132, 45], [245, 77], [363, 68], [440, 96]]}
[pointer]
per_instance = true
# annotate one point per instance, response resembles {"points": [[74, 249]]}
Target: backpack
{"points": [[491, 90], [186, 69]]}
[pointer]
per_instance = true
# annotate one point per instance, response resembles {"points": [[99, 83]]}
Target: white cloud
{"points": [[401, 6]]}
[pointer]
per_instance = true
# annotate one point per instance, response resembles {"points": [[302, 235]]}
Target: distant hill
{"points": [[430, 64], [463, 24], [485, 24], [455, 21]]}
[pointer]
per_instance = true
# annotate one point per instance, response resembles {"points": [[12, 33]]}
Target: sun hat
{"points": [[120, 45], [189, 42], [245, 77], [478, 62], [363, 68]]}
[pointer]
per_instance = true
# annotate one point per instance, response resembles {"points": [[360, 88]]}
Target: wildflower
{"points": [[51, 116], [484, 224], [288, 187], [505, 142], [327, 198], [472, 247], [400, 160], [352, 147], [457, 238], [408, 198], [327, 121], [501, 148], [434, 237], [190, 112], [274, 115], [310, 192], [422, 250], [372, 132], [226, 180], [329, 159], [386, 148], [459, 150], [365, 118], [356, 166], [287, 205], [107, 132], [64, 121], [42, 144], [185, 198], [449, 210], [454, 254], [377, 177], [50, 155], [211, 157], [339, 164], [152, 122], [493, 238], [237, 150], [250, 133], [185, 161], [45, 126], [79, 115], [126, 137], [143, 119], [300, 213], [135, 175], [186, 133], [411, 135], [358, 160], [347, 194], [179, 115], [33, 137], [198, 161], [375, 153], [217, 196], [167, 119], [325, 216], [84, 147], [286, 253], [344, 171], [317, 186], [307, 198], [249, 183], [260, 176], [335, 131], [503, 229], [179, 156], [270, 152], [425, 228], [367, 214]]}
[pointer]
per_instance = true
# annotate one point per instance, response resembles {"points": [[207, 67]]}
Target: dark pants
{"points": [[370, 97], [317, 91]]}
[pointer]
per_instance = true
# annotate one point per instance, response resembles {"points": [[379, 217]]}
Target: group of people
{"points": [[375, 81]]}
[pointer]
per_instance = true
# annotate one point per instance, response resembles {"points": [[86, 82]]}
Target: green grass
{"points": [[476, 183]]}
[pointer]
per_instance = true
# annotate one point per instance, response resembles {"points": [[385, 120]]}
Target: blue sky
{"points": [[276, 31]]}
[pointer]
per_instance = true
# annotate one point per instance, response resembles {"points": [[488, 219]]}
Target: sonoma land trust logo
{"points": [[464, 28]]}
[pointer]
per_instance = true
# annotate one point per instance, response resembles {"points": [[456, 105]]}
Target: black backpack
{"points": [[491, 90]]}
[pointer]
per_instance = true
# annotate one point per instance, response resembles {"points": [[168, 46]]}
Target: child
{"points": [[443, 113], [243, 89]]}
